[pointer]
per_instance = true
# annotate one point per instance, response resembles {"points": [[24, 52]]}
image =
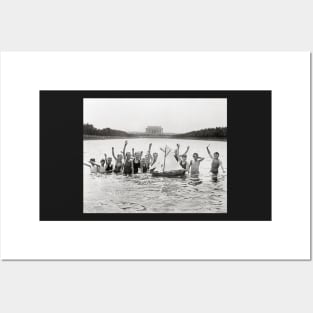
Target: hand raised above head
{"points": [[126, 142]]}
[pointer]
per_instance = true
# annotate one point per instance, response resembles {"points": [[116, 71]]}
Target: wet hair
{"points": [[109, 158], [184, 156], [195, 154], [216, 153], [92, 160], [102, 161]]}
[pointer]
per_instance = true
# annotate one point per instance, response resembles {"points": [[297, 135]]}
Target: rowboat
{"points": [[174, 173], [168, 165]]}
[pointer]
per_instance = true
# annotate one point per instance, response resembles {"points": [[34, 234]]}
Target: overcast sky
{"points": [[174, 115]]}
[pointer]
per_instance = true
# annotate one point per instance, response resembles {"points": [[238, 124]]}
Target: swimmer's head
{"points": [[92, 161], [137, 155], [128, 155], [109, 160], [155, 154], [216, 155], [184, 157], [195, 156], [102, 162], [119, 157]]}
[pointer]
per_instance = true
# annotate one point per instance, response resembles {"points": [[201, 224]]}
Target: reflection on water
{"points": [[142, 193]]}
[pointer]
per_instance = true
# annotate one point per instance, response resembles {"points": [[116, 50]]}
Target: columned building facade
{"points": [[154, 130]]}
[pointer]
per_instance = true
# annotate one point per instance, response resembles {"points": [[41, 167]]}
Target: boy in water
{"points": [[118, 162], [137, 161], [216, 163], [128, 164], [102, 166], [176, 152], [183, 162], [195, 164], [109, 165], [181, 159], [146, 161], [144, 165], [93, 165]]}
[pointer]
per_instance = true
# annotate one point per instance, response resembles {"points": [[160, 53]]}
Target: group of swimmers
{"points": [[129, 163]]}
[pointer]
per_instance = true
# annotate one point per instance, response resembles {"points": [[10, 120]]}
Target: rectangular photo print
{"points": [[150, 155]]}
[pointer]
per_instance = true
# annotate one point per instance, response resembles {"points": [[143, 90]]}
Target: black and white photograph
{"points": [[155, 155], [129, 169], [151, 145]]}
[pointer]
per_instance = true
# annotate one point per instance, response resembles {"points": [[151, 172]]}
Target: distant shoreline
{"points": [[95, 137]]}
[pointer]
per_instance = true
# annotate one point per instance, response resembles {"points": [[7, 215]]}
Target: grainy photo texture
{"points": [[155, 155]]}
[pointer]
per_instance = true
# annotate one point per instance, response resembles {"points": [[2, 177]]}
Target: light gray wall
{"points": [[156, 286]]}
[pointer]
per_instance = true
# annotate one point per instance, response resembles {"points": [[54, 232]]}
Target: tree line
{"points": [[217, 132], [90, 130]]}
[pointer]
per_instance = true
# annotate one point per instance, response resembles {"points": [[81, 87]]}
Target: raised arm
{"points": [[200, 159], [177, 150], [113, 154], [123, 152], [187, 150], [149, 153], [105, 158], [153, 160], [133, 152], [209, 152], [87, 164]]}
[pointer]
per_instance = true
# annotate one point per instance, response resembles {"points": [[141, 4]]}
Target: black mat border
{"points": [[61, 120]]}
